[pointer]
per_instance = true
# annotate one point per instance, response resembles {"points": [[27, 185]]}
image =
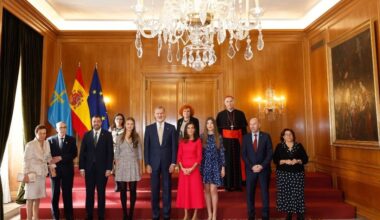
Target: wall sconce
{"points": [[107, 100], [272, 106]]}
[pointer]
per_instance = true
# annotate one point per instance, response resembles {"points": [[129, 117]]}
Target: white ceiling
{"points": [[118, 14]]}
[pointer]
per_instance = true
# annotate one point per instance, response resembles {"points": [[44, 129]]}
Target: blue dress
{"points": [[212, 162]]}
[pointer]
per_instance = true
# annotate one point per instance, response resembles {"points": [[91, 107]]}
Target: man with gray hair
{"points": [[160, 156], [63, 146]]}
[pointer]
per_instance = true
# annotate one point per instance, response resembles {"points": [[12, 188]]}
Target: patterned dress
{"points": [[212, 162], [128, 162], [290, 178]]}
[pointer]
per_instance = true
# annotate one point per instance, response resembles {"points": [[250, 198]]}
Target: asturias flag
{"points": [[79, 106], [59, 107], [96, 102]]}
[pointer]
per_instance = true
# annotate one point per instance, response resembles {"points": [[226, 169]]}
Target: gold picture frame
{"points": [[353, 88]]}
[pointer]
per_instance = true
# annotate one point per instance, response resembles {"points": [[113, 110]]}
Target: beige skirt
{"points": [[37, 189]]}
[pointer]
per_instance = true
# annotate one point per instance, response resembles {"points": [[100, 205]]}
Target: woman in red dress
{"points": [[190, 187]]}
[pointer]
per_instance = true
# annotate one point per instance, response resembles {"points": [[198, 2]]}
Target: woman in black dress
{"points": [[290, 158]]}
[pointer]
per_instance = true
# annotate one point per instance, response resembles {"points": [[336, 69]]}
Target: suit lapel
{"points": [[155, 132], [261, 140], [100, 138], [93, 140], [165, 133], [56, 140]]}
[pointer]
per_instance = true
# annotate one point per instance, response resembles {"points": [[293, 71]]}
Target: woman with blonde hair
{"points": [[212, 166]]}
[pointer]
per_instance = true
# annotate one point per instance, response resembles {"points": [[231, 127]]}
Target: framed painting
{"points": [[353, 88]]}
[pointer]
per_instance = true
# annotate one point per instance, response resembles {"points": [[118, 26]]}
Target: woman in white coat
{"points": [[36, 157]]}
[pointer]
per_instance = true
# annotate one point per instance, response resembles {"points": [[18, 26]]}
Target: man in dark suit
{"points": [[95, 164], [64, 147], [160, 154], [257, 155]]}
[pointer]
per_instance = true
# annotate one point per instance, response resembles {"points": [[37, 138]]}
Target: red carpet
{"points": [[322, 201]]}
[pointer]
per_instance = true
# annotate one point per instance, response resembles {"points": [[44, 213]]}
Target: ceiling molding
{"points": [[279, 24]]}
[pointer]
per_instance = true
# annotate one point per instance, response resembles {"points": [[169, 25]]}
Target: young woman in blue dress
{"points": [[212, 166]]}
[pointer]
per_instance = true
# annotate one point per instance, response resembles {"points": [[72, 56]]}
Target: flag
{"points": [[79, 107], [59, 107], [96, 102]]}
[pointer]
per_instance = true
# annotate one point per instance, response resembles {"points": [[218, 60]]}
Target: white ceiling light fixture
{"points": [[197, 24]]}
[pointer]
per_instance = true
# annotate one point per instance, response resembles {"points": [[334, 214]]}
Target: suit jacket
{"points": [[68, 152], [36, 158], [156, 154], [100, 155], [262, 156], [192, 119]]}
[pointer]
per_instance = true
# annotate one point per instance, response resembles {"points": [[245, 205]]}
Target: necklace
{"points": [[231, 119], [119, 131]]}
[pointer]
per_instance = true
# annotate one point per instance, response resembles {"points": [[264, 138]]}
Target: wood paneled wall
{"points": [[124, 77], [356, 170], [294, 63]]}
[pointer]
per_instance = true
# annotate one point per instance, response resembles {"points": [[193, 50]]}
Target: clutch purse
{"points": [[32, 177]]}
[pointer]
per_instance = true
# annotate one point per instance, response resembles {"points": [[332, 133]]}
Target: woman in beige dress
{"points": [[36, 157], [128, 156]]}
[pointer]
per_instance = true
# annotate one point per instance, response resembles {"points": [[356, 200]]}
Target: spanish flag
{"points": [[80, 112]]}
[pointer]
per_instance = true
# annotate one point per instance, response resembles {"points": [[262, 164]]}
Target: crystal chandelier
{"points": [[272, 106], [195, 24]]}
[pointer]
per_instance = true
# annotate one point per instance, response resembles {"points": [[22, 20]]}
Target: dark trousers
{"points": [[63, 180], [252, 178], [166, 192], [95, 179]]}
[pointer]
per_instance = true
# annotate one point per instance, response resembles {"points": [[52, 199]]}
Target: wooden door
{"points": [[200, 92]]}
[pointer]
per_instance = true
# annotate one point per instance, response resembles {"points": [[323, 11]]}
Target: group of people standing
{"points": [[223, 155]]}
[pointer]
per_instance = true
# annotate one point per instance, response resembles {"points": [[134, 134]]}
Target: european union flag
{"points": [[96, 101], [59, 107]]}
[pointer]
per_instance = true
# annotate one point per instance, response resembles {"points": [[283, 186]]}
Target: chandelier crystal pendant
{"points": [[196, 24]]}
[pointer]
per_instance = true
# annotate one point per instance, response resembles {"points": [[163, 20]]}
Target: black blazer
{"points": [[192, 119], [100, 155], [156, 154], [68, 153], [264, 153]]}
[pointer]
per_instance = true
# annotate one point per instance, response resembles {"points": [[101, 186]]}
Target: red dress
{"points": [[190, 187]]}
